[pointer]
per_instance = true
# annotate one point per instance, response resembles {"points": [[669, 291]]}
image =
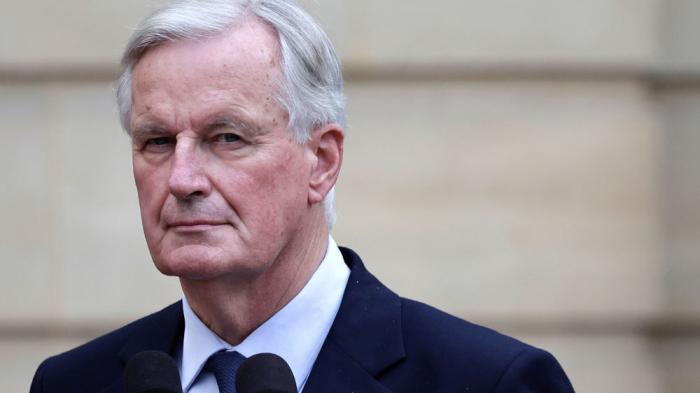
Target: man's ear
{"points": [[327, 147]]}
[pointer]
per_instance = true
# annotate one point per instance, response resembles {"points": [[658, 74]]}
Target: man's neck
{"points": [[233, 310]]}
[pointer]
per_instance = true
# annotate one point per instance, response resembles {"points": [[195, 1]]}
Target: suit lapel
{"points": [[365, 338], [335, 371], [161, 331]]}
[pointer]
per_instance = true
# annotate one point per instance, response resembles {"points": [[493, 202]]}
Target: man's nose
{"points": [[188, 177]]}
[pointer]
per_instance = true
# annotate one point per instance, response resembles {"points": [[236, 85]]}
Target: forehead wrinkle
{"points": [[244, 56], [203, 84], [152, 118]]}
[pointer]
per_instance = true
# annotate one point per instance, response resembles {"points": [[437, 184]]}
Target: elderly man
{"points": [[236, 113]]}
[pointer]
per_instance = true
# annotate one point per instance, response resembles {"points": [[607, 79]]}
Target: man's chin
{"points": [[200, 263]]}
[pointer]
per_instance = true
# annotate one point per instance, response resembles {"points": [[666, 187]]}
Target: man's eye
{"points": [[160, 141], [158, 144], [228, 138]]}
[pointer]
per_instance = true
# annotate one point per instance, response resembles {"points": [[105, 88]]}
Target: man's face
{"points": [[222, 185]]}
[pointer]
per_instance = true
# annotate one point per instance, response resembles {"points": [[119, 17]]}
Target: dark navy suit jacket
{"points": [[379, 342]]}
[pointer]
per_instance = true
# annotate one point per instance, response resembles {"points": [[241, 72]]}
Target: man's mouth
{"points": [[194, 225]]}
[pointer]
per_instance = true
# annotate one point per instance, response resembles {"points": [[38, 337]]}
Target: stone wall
{"points": [[531, 166]]}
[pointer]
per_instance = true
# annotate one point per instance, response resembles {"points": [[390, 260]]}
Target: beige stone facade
{"points": [[528, 165]]}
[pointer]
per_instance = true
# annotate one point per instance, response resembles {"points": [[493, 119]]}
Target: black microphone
{"points": [[151, 372], [265, 373]]}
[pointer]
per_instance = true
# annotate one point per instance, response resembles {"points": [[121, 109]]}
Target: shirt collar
{"points": [[296, 332]]}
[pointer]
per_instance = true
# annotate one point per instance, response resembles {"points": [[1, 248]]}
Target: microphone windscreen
{"points": [[151, 372], [265, 373]]}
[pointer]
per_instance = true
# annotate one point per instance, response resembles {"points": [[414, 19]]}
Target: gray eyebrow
{"points": [[146, 130], [229, 121]]}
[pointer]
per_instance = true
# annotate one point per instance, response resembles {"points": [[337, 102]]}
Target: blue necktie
{"points": [[224, 366]]}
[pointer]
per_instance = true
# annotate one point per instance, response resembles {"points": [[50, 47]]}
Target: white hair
{"points": [[311, 89]]}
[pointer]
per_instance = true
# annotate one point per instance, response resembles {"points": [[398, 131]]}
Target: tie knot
{"points": [[224, 366]]}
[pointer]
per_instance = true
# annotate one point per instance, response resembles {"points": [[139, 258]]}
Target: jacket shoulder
{"points": [[97, 363], [412, 347], [434, 332], [453, 353]]}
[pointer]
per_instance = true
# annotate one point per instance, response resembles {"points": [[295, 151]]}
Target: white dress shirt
{"points": [[296, 332]]}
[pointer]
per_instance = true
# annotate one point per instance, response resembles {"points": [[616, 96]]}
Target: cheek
{"points": [[289, 188], [250, 192], [266, 196], [152, 191]]}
